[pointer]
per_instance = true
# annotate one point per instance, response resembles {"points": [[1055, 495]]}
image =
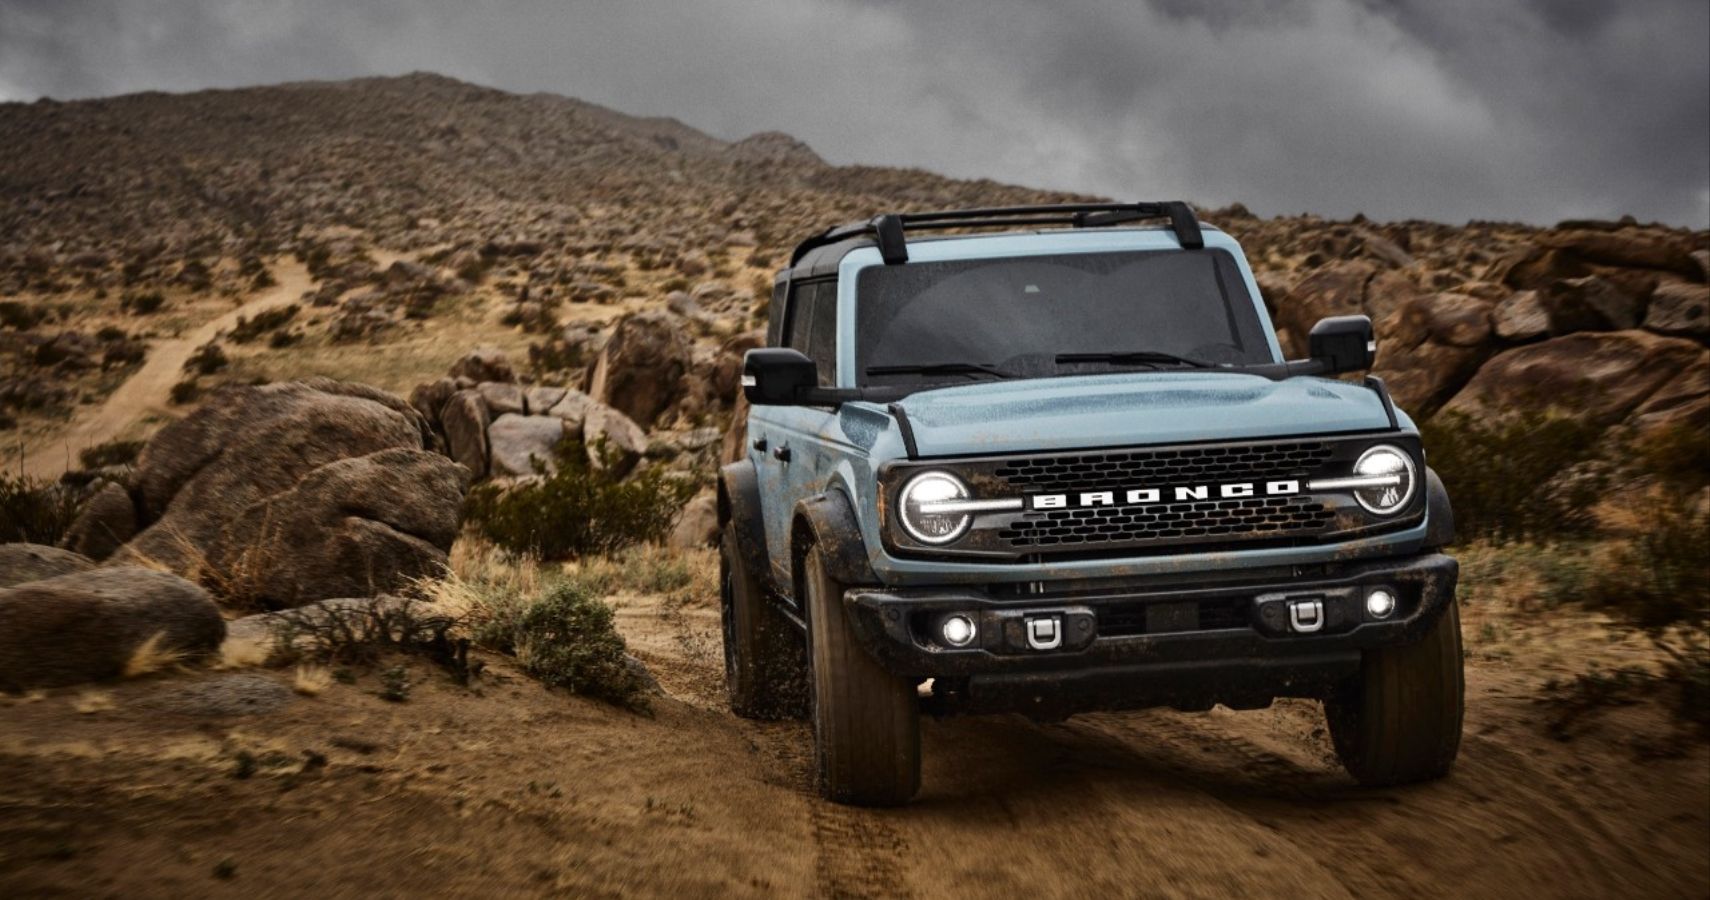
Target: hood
{"points": [[1133, 408]]}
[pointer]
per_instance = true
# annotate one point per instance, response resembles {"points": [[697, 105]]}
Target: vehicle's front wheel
{"points": [[1399, 721], [866, 722], [764, 663]]}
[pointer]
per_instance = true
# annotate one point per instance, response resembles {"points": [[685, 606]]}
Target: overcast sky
{"points": [[1535, 110]]}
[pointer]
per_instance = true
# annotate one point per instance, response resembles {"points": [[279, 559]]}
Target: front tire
{"points": [[866, 722], [764, 664], [1399, 721]]}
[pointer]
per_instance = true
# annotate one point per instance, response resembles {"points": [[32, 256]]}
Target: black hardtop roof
{"points": [[821, 253]]}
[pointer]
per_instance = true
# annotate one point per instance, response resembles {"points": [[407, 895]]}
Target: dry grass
{"points": [[244, 652], [151, 656], [90, 702], [311, 681]]}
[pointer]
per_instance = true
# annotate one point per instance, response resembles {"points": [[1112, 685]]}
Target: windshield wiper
{"points": [[944, 368], [1136, 358]]}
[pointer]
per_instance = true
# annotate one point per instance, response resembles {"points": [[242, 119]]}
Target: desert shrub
{"points": [[248, 329], [111, 453], [35, 511], [207, 360], [185, 391], [580, 510], [1522, 477], [564, 637], [20, 315], [142, 303]]}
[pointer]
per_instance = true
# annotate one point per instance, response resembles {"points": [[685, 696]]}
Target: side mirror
{"points": [[1343, 344], [777, 376]]}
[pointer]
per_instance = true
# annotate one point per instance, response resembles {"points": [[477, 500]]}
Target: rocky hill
{"points": [[433, 215]]}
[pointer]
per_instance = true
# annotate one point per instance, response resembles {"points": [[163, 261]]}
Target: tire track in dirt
{"points": [[858, 855]]}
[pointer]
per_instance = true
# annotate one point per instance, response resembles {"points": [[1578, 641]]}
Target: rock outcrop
{"points": [[287, 493]]}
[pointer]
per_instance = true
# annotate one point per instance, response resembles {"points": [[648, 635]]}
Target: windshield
{"points": [[1015, 317]]}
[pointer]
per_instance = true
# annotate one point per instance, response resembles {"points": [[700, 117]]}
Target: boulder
{"points": [[1521, 317], [517, 442], [1680, 308], [543, 398], [1431, 346], [429, 398], [276, 494], [638, 369], [20, 563], [1599, 377], [484, 364], [503, 398], [86, 626], [1627, 248], [612, 440], [1591, 303], [1338, 289], [697, 527], [465, 419], [572, 410], [246, 442], [1682, 402], [363, 525], [108, 519]]}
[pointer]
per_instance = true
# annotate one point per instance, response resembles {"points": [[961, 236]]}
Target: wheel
{"points": [[765, 664], [866, 722], [1400, 720]]}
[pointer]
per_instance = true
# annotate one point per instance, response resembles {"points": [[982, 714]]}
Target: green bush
{"points": [[578, 511], [565, 638], [1518, 478], [35, 512]]}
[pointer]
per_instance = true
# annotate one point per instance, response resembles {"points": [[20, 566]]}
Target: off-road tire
{"points": [[866, 722], [765, 663], [1399, 721]]}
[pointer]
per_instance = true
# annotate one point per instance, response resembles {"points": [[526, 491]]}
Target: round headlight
{"points": [[1394, 469], [918, 496]]}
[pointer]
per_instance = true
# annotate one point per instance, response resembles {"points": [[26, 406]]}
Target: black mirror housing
{"points": [[1343, 344], [777, 376]]}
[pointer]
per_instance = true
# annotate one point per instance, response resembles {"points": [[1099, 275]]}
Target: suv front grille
{"points": [[1170, 466], [1190, 510], [1212, 519]]}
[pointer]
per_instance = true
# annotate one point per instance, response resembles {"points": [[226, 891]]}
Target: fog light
{"points": [[958, 630], [1380, 603]]}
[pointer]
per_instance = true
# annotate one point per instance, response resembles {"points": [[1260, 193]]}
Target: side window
{"points": [[799, 320], [822, 333], [811, 327], [775, 317]]}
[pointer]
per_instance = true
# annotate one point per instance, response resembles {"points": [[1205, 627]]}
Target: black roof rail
{"points": [[888, 229]]}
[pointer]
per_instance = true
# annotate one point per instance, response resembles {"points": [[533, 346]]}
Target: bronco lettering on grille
{"points": [[1146, 496]]}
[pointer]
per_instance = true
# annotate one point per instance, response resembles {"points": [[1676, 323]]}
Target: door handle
{"points": [[782, 454], [760, 444]]}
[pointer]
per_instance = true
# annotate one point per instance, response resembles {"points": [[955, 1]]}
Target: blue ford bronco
{"points": [[1064, 467]]}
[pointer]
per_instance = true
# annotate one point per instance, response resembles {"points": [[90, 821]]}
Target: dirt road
{"points": [[514, 790], [147, 391]]}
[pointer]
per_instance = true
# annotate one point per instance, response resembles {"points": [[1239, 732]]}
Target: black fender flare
{"points": [[1439, 515], [739, 503], [828, 521]]}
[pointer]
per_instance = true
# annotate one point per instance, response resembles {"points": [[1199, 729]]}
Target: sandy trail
{"points": [[512, 790], [148, 390]]}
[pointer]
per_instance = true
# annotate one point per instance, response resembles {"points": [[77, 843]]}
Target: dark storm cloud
{"points": [[1446, 109]]}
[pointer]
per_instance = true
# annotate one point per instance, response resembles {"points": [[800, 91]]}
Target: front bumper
{"points": [[1144, 643]]}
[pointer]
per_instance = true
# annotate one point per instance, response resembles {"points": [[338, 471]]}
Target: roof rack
{"points": [[888, 229]]}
